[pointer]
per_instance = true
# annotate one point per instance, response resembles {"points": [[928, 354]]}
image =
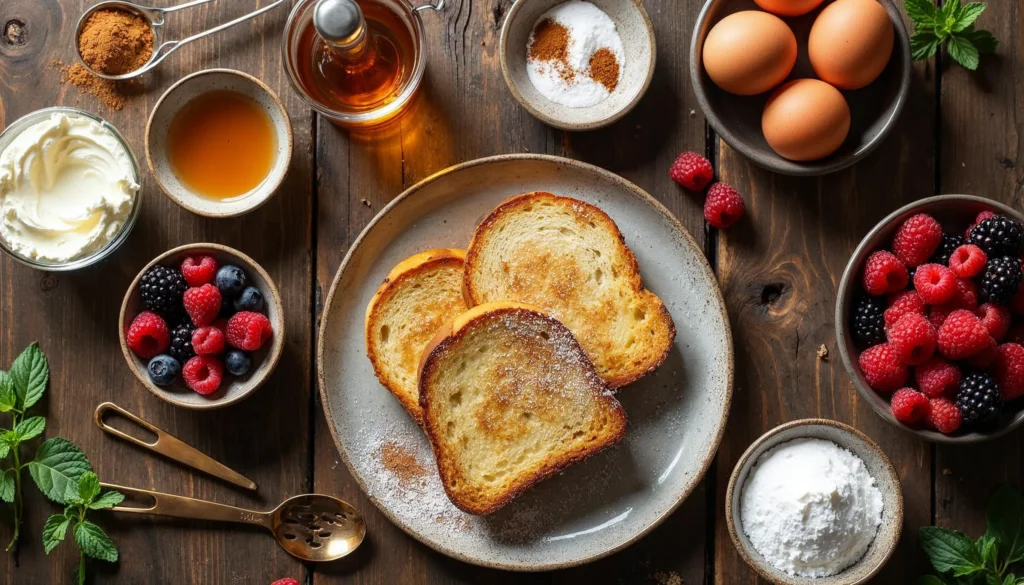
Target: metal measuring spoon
{"points": [[155, 18], [312, 527]]}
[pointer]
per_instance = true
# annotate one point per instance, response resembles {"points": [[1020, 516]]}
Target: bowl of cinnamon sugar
{"points": [[578, 65]]}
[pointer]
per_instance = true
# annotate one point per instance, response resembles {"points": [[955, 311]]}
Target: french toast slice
{"points": [[418, 296], [570, 259], [509, 398]]}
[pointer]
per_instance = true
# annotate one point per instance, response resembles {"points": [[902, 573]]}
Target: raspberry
{"points": [[199, 270], [1016, 334], [938, 315], [937, 378], [917, 239], [208, 341], [910, 406], [202, 304], [884, 273], [984, 358], [203, 374], [949, 245], [883, 368], [148, 335], [914, 338], [962, 335], [968, 261], [723, 206], [692, 171], [1008, 370], [285, 581], [901, 304], [249, 331], [996, 319], [944, 416], [936, 284], [967, 295]]}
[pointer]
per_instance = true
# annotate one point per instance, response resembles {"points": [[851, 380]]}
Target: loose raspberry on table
{"points": [[692, 171], [884, 273], [962, 335], [203, 304], [199, 270], [944, 416], [285, 581], [904, 303], [203, 374], [1008, 370], [917, 239], [968, 261], [208, 341], [883, 368], [909, 406], [723, 206], [936, 284], [995, 318], [148, 335], [937, 378], [249, 331], [913, 338]]}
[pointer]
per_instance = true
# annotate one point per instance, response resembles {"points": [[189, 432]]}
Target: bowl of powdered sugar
{"points": [[578, 65], [815, 502]]}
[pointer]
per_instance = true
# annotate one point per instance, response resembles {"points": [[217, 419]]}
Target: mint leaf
{"points": [[967, 15], [986, 546], [107, 500], [963, 51], [950, 551], [57, 467], [54, 531], [5, 447], [30, 428], [922, 12], [7, 486], [949, 12], [88, 487], [983, 40], [1005, 522], [94, 542], [30, 372], [923, 45], [8, 399]]}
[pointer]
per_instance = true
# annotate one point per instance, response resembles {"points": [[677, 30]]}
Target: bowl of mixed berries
{"points": [[930, 319], [202, 326]]}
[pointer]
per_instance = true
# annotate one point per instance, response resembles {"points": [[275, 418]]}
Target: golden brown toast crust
{"points": [[449, 336], [474, 297]]}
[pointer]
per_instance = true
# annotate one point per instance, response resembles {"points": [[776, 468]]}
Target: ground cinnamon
{"points": [[115, 94], [115, 41], [604, 68], [398, 460], [551, 43]]}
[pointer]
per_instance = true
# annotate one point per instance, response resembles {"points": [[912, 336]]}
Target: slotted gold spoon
{"points": [[312, 527]]}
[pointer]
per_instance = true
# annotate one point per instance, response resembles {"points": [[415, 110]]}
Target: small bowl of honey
{"points": [[219, 143]]}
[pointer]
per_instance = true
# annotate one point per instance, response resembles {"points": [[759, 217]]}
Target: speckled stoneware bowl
{"points": [[263, 361], [878, 466], [955, 213], [637, 33], [175, 99], [737, 119]]}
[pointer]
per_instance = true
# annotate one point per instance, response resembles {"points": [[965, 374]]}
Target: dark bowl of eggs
{"points": [[801, 87]]}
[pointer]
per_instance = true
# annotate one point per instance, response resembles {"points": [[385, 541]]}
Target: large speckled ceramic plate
{"points": [[676, 415]]}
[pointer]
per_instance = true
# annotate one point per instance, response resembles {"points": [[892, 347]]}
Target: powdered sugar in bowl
{"points": [[838, 527]]}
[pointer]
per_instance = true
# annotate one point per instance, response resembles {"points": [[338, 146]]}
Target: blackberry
{"points": [[162, 289], [950, 242], [869, 320], [1001, 280], [998, 236], [979, 398], [181, 342]]}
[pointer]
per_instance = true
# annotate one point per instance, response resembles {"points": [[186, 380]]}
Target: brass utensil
{"points": [[170, 446], [312, 527]]}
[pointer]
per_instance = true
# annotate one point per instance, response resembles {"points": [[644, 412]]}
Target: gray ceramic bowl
{"points": [[180, 94], [955, 213], [637, 33], [878, 465], [737, 119], [233, 388]]}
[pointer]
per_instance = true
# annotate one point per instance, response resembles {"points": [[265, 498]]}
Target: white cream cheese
{"points": [[67, 186]]}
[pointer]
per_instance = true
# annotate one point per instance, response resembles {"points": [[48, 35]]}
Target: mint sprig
{"points": [[951, 26], [81, 497]]}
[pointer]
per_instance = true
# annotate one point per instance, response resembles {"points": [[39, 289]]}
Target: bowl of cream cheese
{"points": [[69, 189]]}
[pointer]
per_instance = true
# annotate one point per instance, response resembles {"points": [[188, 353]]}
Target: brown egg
{"points": [[749, 52], [788, 7], [805, 120], [851, 42]]}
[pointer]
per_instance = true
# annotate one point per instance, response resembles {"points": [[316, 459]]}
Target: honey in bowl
{"points": [[222, 145]]}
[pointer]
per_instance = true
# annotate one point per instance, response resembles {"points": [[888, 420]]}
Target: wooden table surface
{"points": [[779, 268]]}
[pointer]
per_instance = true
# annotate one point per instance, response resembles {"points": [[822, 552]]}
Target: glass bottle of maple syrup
{"points": [[357, 62]]}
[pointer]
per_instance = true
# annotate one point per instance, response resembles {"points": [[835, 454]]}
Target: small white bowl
{"points": [[175, 99], [637, 34]]}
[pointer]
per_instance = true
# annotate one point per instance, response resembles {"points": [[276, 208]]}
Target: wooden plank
{"points": [[74, 318]]}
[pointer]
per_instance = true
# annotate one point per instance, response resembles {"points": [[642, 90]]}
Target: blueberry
{"points": [[163, 370], [251, 299], [237, 362], [230, 280]]}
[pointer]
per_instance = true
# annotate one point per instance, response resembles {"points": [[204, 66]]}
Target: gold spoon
{"points": [[312, 527]]}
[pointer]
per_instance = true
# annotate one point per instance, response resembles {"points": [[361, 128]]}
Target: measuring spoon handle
{"points": [[185, 507]]}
